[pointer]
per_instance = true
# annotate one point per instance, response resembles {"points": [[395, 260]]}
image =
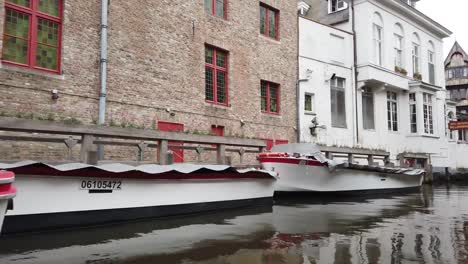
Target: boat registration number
{"points": [[100, 185]]}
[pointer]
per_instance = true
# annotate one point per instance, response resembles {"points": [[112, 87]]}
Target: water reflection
{"points": [[426, 227]]}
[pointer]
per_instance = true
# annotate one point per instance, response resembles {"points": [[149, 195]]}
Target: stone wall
{"points": [[156, 68]]}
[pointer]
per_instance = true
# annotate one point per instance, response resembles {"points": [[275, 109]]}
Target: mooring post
{"points": [[162, 152], [87, 147], [241, 155], [370, 160], [221, 154], [141, 150], [199, 150], [70, 143], [350, 158]]}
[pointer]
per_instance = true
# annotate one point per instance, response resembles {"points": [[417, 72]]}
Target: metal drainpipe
{"points": [[298, 88], [103, 72], [103, 90], [355, 71]]}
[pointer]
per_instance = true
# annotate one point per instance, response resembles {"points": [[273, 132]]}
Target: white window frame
{"points": [[340, 6], [367, 93], [392, 111], [428, 111], [451, 117], [378, 44], [413, 111], [312, 103], [431, 61], [416, 51], [398, 51], [335, 87]]}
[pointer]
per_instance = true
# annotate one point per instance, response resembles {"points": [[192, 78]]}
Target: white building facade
{"points": [[383, 90]]}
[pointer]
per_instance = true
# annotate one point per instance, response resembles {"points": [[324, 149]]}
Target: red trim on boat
{"points": [[6, 175], [272, 155], [307, 162], [43, 170], [7, 189]]}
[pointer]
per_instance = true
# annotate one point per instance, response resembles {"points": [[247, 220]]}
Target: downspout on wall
{"points": [[302, 8], [298, 103], [103, 72], [356, 73]]}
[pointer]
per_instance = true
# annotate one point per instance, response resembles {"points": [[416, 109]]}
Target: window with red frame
{"points": [[217, 130], [216, 7], [269, 21], [32, 32], [216, 76], [270, 97]]}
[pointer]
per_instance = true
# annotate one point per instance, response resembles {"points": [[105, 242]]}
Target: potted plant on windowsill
{"points": [[417, 76], [401, 70]]}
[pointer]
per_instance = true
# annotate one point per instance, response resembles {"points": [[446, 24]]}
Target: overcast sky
{"points": [[453, 15]]}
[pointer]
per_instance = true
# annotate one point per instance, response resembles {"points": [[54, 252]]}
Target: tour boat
{"points": [[78, 194], [7, 192], [303, 168]]}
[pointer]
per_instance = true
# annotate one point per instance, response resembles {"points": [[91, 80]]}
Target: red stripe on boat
{"points": [[91, 172], [292, 161]]}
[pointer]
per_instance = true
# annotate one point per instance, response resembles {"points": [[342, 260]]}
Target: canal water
{"points": [[425, 227]]}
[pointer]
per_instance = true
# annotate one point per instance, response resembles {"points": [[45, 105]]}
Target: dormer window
{"points": [[336, 5]]}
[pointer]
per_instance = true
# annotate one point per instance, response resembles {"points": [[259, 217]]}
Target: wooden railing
{"points": [[353, 154], [89, 137]]}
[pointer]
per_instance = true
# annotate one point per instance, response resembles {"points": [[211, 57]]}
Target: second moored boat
{"points": [[303, 168]]}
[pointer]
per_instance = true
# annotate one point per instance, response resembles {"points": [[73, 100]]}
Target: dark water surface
{"points": [[426, 227]]}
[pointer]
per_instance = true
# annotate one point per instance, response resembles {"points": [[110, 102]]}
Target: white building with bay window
{"points": [[387, 92]]}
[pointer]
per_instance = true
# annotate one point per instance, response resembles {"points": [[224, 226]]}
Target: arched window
{"points": [[378, 38], [399, 45], [416, 51], [431, 62]]}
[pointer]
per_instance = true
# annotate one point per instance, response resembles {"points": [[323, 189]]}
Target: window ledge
{"points": [[430, 136], [272, 115], [4, 66], [310, 113], [218, 106], [272, 40], [423, 135], [211, 16], [370, 130], [340, 127]]}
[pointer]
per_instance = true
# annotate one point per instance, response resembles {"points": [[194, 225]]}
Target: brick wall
{"points": [[156, 68]]}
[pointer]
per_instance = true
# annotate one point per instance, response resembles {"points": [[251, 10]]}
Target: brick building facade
{"points": [[156, 67]]}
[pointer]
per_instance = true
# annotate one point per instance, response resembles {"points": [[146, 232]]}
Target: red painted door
{"points": [[217, 130], [281, 142], [269, 144], [173, 127]]}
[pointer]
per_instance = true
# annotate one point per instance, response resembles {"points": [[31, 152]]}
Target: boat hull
{"points": [[316, 177], [3, 209], [51, 202]]}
